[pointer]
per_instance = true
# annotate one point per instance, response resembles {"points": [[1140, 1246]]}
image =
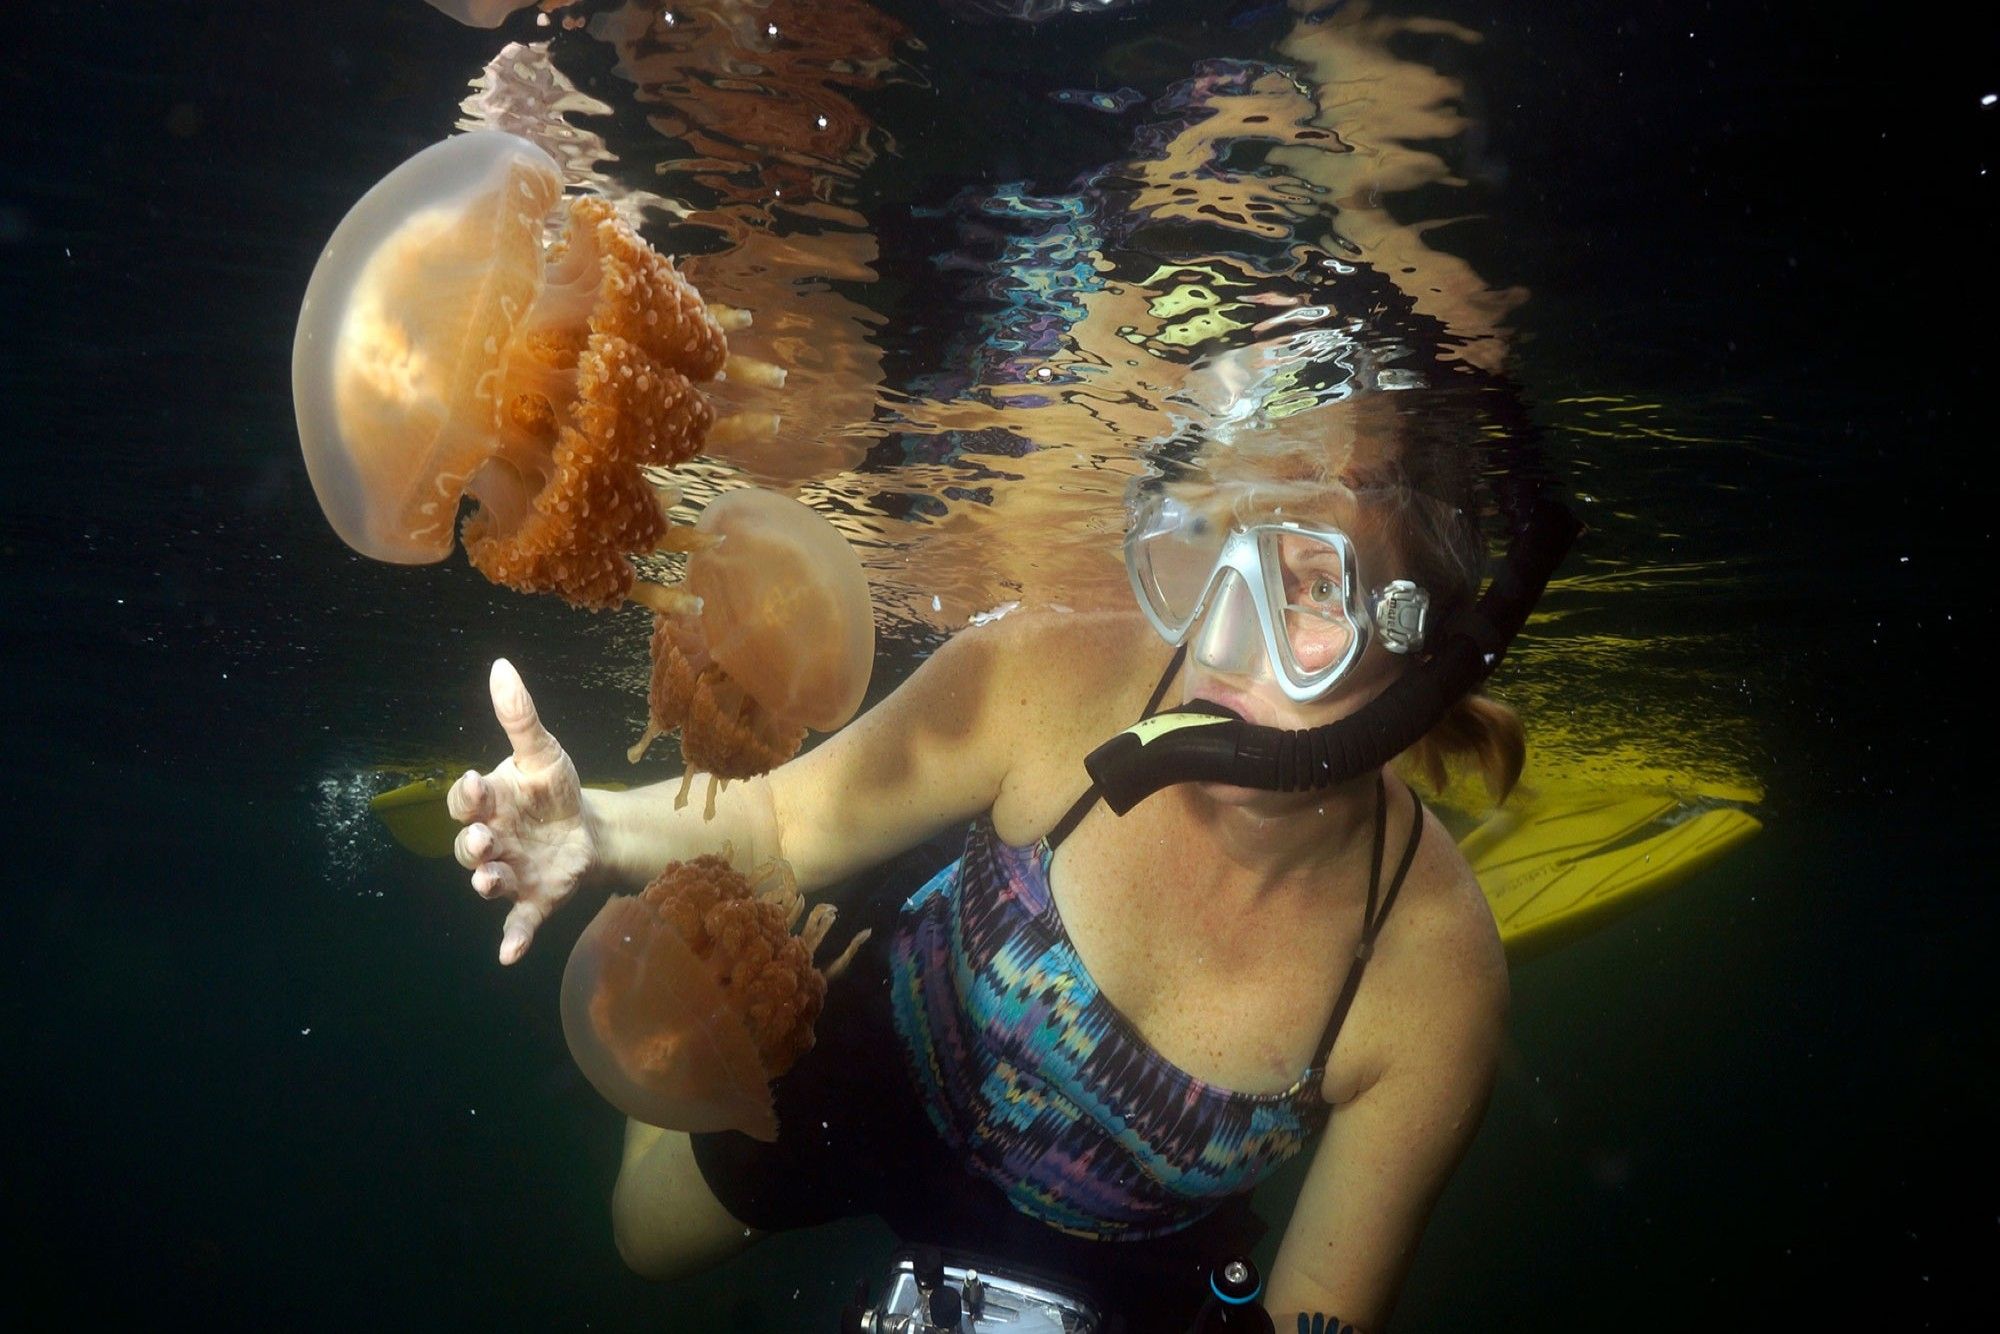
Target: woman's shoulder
{"points": [[1043, 629], [1065, 682], [1069, 661], [1450, 951], [1436, 993]]}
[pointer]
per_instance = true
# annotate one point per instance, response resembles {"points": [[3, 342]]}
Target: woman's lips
{"points": [[1239, 705]]}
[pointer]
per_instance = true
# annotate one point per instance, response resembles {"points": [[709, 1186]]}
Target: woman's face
{"points": [[1319, 556], [1317, 629]]}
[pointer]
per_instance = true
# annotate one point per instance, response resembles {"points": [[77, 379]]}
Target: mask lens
{"points": [[1310, 581], [1172, 551], [1274, 600]]}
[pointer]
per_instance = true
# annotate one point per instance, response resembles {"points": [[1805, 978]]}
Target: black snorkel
{"points": [[1205, 743]]}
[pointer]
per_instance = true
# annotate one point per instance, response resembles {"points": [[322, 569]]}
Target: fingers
{"points": [[475, 849], [474, 844], [534, 748], [492, 880], [470, 798], [475, 801], [520, 930]]}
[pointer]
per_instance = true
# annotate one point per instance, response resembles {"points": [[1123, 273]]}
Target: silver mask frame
{"points": [[1397, 613]]}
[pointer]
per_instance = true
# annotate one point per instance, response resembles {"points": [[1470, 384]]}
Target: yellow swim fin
{"points": [[1565, 863], [417, 819]]}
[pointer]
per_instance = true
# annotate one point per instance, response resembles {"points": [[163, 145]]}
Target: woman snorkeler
{"points": [[1083, 1042]]}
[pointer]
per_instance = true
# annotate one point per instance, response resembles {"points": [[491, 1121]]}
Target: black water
{"points": [[261, 1068]]}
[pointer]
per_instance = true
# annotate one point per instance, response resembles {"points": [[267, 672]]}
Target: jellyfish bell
{"points": [[654, 1034], [469, 333], [481, 13], [681, 1004], [771, 632], [785, 607]]}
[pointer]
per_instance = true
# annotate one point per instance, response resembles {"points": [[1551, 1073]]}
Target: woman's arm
{"points": [[930, 755], [933, 753], [639, 830], [1388, 1151]]}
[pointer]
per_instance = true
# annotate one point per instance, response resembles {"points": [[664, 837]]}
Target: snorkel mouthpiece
{"points": [[1202, 742]]}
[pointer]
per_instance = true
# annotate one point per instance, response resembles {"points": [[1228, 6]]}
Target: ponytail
{"points": [[1478, 730]]}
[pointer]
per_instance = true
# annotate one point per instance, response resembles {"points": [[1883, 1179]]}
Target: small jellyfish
{"points": [[482, 13], [682, 1003], [771, 633], [450, 346]]}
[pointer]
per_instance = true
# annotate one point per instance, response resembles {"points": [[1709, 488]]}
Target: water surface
{"points": [[265, 1067]]}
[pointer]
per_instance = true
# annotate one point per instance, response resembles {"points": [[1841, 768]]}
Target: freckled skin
{"points": [[1220, 921]]}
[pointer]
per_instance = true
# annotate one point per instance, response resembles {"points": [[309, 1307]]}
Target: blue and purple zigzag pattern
{"points": [[1046, 1089]]}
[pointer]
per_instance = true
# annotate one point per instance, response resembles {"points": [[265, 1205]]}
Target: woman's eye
{"points": [[1324, 589]]}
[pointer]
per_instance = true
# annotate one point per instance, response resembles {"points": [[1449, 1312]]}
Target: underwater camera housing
{"points": [[928, 1294]]}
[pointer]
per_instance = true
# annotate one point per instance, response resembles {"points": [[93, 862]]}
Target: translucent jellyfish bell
{"points": [[453, 344], [771, 633], [385, 386], [480, 13], [654, 1033], [784, 607], [682, 1004]]}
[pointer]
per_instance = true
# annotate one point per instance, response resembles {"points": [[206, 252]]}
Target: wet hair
{"points": [[1438, 520]]}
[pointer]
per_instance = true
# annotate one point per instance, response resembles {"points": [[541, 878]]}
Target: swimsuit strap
{"points": [[1083, 804], [1371, 919]]}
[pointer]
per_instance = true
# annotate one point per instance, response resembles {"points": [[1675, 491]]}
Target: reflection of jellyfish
{"points": [[763, 98], [770, 634], [489, 13], [683, 1003], [443, 351]]}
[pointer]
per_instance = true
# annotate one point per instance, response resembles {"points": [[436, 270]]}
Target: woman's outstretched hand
{"points": [[526, 835]]}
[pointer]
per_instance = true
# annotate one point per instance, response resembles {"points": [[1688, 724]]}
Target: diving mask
{"points": [[1261, 594]]}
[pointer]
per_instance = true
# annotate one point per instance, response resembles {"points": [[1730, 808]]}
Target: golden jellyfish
{"points": [[489, 13], [682, 1003], [770, 633], [470, 333]]}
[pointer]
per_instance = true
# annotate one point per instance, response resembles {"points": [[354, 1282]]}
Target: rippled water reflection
{"points": [[1717, 263], [982, 354]]}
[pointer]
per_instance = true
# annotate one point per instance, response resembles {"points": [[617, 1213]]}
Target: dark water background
{"points": [[260, 1069]]}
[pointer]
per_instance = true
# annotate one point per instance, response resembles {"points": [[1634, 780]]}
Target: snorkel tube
{"points": [[1203, 742]]}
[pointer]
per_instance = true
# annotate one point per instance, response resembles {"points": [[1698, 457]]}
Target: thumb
{"points": [[535, 748], [522, 920]]}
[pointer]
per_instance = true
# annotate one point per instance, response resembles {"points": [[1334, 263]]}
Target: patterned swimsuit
{"points": [[1036, 1080], [1038, 1084], [1022, 1076]]}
